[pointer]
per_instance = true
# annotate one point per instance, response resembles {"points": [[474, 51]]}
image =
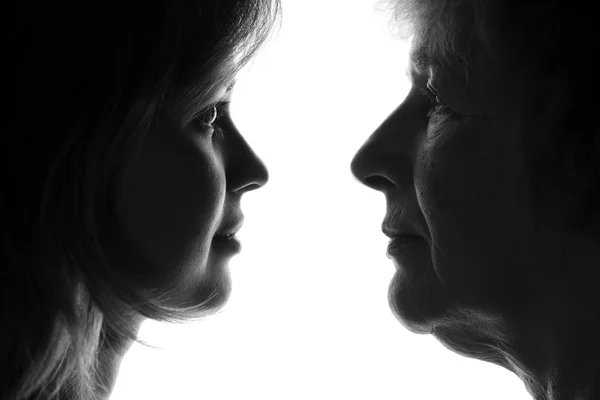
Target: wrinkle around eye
{"points": [[454, 91]]}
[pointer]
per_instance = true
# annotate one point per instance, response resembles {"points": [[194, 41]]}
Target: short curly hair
{"points": [[555, 41]]}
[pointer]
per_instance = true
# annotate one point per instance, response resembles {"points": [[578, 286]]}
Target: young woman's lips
{"points": [[227, 245]]}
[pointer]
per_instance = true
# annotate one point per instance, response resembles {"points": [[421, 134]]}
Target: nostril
{"points": [[378, 182], [254, 186]]}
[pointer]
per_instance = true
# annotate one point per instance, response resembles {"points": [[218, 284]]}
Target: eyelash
{"points": [[438, 107], [220, 110]]}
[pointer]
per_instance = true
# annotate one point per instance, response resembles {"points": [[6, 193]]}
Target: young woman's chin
{"points": [[214, 280], [207, 293], [213, 295]]}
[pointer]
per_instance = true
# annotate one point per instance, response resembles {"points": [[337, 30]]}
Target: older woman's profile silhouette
{"points": [[122, 174], [491, 172]]}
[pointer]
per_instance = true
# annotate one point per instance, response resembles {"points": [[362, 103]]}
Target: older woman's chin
{"points": [[417, 302]]}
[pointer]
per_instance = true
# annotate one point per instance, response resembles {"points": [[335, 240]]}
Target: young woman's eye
{"points": [[211, 115], [207, 120]]}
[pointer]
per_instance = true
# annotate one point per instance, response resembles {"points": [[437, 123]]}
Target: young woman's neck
{"points": [[111, 352]]}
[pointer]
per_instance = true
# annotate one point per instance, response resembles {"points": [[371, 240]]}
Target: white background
{"points": [[308, 317]]}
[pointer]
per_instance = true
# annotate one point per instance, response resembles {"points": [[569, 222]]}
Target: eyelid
{"points": [[220, 107], [223, 110], [438, 107], [434, 92], [223, 105], [432, 95], [456, 104], [206, 119], [215, 110]]}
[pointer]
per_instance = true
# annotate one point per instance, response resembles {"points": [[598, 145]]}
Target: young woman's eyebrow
{"points": [[231, 85]]}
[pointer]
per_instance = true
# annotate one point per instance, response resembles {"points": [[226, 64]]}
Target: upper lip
{"points": [[398, 229], [393, 232], [231, 226]]}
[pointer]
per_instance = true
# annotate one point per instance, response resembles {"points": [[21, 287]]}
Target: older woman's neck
{"points": [[579, 383], [112, 350], [576, 375], [568, 369], [562, 350]]}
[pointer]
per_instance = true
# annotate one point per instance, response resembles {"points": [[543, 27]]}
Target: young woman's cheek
{"points": [[170, 200]]}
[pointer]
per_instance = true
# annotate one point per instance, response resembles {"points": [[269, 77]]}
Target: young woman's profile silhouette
{"points": [[122, 173]]}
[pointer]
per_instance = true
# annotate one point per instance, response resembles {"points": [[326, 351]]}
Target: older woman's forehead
{"points": [[424, 61], [421, 58], [478, 89]]}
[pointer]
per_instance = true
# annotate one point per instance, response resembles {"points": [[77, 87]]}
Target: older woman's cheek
{"points": [[438, 196]]}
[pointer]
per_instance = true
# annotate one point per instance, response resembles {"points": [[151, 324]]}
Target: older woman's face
{"points": [[179, 196], [450, 162]]}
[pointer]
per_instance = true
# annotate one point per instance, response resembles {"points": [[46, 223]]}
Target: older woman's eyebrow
{"points": [[422, 59]]}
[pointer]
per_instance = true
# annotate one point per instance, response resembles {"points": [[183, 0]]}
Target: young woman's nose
{"points": [[245, 170]]}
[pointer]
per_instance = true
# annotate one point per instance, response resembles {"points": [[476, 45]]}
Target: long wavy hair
{"points": [[87, 79]]}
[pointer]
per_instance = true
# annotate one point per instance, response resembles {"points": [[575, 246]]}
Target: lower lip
{"points": [[401, 244], [229, 244]]}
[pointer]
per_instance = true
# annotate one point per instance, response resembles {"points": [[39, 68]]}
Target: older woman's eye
{"points": [[438, 107]]}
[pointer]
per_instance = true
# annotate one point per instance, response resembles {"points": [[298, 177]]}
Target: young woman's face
{"points": [[178, 198]]}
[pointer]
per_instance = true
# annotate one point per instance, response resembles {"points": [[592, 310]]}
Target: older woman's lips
{"points": [[402, 240], [401, 244]]}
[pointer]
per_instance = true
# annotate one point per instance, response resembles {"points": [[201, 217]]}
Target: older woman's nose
{"points": [[383, 162], [368, 169]]}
